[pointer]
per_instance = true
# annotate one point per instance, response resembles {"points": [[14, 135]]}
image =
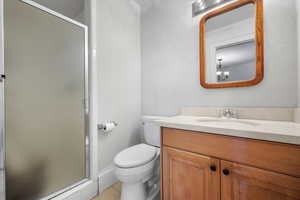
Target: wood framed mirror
{"points": [[232, 45]]}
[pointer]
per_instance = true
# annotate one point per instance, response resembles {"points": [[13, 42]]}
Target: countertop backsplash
{"points": [[272, 114]]}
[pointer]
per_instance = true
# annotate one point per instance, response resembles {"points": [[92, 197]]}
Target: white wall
{"points": [[170, 66], [119, 75]]}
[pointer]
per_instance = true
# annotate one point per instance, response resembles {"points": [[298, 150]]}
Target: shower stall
{"points": [[45, 119]]}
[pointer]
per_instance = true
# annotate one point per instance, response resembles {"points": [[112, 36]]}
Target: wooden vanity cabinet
{"points": [[245, 183], [204, 172], [190, 176]]}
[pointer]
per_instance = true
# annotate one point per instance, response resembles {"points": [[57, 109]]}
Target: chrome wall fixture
{"points": [[200, 6], [221, 75]]}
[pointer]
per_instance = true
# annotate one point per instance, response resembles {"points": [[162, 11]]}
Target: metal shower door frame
{"points": [[85, 101], [2, 132]]}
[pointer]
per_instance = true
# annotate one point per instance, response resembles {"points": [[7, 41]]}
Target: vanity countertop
{"points": [[276, 131]]}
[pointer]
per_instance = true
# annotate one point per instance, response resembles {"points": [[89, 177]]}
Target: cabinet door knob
{"points": [[213, 168], [226, 172]]}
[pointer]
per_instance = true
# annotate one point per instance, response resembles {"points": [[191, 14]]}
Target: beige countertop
{"points": [[276, 131]]}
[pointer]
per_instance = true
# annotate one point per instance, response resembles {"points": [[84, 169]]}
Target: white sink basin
{"points": [[228, 121], [275, 131]]}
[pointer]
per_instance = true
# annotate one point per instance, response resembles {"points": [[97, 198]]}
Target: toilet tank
{"points": [[151, 131]]}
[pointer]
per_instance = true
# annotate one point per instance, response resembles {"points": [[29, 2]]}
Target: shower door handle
{"points": [[2, 77]]}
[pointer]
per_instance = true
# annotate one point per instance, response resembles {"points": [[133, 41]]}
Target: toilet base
{"points": [[133, 191]]}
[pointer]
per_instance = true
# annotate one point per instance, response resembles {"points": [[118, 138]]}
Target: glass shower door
{"points": [[2, 172], [45, 101]]}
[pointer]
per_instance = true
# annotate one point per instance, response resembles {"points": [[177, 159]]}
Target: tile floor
{"points": [[112, 193]]}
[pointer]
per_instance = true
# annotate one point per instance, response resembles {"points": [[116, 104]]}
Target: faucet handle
{"points": [[222, 112], [228, 113], [233, 113]]}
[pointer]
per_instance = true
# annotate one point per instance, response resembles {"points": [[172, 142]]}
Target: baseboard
{"points": [[107, 178]]}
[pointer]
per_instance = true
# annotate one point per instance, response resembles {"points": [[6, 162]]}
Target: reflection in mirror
{"points": [[229, 46], [235, 62], [230, 55]]}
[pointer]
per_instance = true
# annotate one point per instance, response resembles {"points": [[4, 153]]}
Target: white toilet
{"points": [[137, 167]]}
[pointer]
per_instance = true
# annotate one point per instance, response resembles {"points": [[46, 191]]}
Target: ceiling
{"points": [[143, 2], [146, 4], [69, 8]]}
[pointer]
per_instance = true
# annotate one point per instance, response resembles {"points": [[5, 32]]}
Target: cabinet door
{"points": [[240, 182], [190, 176]]}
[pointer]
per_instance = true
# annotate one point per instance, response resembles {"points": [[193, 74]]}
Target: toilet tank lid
{"points": [[135, 156]]}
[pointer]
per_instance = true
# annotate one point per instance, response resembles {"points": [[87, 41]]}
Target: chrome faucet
{"points": [[228, 113]]}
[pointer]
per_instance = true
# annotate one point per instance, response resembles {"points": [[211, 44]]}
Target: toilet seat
{"points": [[135, 156]]}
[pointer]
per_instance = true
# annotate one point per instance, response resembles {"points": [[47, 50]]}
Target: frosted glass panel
{"points": [[44, 94]]}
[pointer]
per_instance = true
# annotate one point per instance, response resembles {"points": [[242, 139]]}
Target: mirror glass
{"points": [[230, 46]]}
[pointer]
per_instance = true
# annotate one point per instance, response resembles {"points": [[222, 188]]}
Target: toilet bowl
{"points": [[135, 166]]}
